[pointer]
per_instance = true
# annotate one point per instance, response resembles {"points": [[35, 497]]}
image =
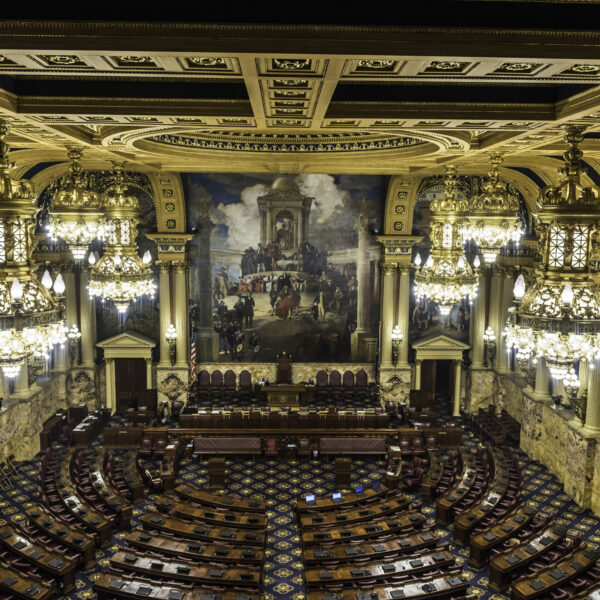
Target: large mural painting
{"points": [[274, 264]]}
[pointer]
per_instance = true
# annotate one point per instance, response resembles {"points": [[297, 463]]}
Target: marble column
{"points": [[149, 383], [403, 316], [592, 412], [71, 318], [387, 314], [164, 299], [504, 303], [376, 280], [111, 388], [87, 328], [418, 364], [181, 313], [477, 325], [457, 387], [583, 376], [21, 381], [542, 380]]}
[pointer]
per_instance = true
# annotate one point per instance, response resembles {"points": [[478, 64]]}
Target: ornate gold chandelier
{"points": [[558, 318], [120, 275], [75, 210], [29, 313], [493, 220], [446, 277]]}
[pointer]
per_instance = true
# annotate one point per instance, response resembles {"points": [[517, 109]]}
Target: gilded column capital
{"points": [[388, 268], [163, 266], [109, 361], [148, 360], [67, 267], [180, 266], [404, 269]]}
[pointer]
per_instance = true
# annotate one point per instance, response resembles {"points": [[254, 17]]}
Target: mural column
{"points": [[542, 381], [363, 283], [457, 387], [207, 340]]}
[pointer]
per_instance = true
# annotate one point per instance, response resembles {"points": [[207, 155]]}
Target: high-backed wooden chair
{"points": [[335, 384], [245, 387], [203, 383], [321, 386], [229, 383], [361, 386], [216, 383], [348, 384]]}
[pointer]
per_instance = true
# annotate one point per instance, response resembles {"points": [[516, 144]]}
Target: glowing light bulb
{"points": [[92, 258], [519, 288], [16, 289], [59, 285], [47, 280], [117, 260], [567, 295], [477, 262], [461, 262], [147, 258], [429, 262]]}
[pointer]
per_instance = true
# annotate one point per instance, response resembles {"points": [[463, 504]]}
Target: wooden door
{"points": [[130, 379], [428, 375]]}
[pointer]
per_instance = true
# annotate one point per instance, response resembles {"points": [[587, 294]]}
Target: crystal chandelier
{"points": [[120, 275], [29, 313], [75, 215], [446, 277], [558, 318], [493, 220]]}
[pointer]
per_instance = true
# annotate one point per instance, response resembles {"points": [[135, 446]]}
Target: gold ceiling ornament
{"points": [[446, 278], [558, 318], [120, 275], [493, 215], [29, 312], [75, 214]]}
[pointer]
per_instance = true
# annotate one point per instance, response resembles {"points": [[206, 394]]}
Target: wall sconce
{"points": [[171, 337], [397, 337], [489, 342], [73, 337]]}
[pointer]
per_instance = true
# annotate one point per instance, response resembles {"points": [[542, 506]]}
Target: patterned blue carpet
{"points": [[280, 482]]}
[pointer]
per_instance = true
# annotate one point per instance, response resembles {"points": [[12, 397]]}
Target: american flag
{"points": [[192, 357]]}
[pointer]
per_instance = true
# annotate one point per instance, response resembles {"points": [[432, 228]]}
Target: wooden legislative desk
{"points": [[185, 571], [471, 518], [207, 498], [285, 394], [386, 549], [213, 553], [180, 528], [503, 565], [90, 428], [109, 586], [65, 534], [116, 503], [563, 571], [381, 572], [444, 506], [123, 437], [189, 512], [405, 523], [17, 584], [450, 586], [51, 563], [84, 513], [482, 543], [52, 428], [346, 502], [432, 477], [372, 511]]}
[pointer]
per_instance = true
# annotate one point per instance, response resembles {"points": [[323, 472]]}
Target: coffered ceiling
{"points": [[297, 98]]}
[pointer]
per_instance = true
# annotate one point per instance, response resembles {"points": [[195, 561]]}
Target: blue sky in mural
{"points": [[235, 210]]}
